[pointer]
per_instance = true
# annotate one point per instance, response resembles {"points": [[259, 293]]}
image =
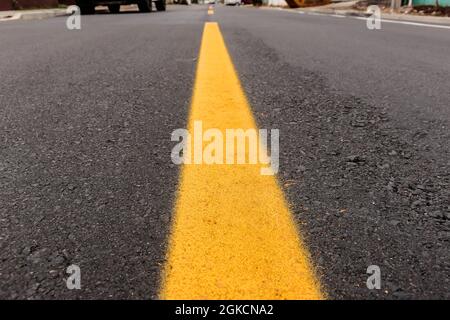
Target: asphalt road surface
{"points": [[86, 175]]}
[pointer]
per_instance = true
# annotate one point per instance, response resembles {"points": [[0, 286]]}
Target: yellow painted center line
{"points": [[233, 236]]}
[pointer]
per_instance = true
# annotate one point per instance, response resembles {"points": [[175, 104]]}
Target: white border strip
{"points": [[439, 26]]}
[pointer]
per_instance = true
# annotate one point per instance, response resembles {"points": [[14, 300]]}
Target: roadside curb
{"points": [[31, 15], [347, 13], [361, 14], [385, 16]]}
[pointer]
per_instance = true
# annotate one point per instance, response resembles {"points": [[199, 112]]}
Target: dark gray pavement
{"points": [[364, 128], [86, 175], [86, 118]]}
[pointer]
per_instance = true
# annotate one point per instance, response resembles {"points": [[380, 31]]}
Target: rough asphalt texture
{"points": [[363, 119], [86, 117], [86, 175]]}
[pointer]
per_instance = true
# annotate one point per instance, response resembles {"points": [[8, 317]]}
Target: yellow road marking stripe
{"points": [[233, 236]]}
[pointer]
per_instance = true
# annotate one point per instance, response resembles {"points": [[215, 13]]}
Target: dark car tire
{"points": [[145, 5], [114, 8], [160, 5], [86, 6]]}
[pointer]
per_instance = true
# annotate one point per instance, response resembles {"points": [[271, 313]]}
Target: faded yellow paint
{"points": [[233, 236]]}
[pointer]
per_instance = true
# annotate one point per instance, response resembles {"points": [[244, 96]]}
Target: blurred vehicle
{"points": [[232, 2], [88, 6]]}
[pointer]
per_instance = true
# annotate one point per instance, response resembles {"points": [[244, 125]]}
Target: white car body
{"points": [[232, 2]]}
